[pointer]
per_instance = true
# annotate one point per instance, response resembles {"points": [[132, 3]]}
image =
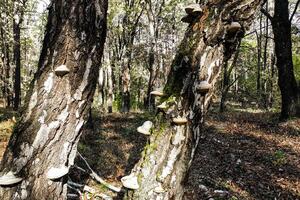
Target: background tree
{"points": [[281, 24]]}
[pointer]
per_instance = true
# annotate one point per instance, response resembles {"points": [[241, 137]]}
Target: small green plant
{"points": [[279, 158]]}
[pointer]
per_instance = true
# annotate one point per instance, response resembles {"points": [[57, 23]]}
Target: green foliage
{"points": [[296, 62], [117, 103]]}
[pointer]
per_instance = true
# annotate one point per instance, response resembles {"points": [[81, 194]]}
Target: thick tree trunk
{"points": [[46, 137], [208, 42], [283, 50]]}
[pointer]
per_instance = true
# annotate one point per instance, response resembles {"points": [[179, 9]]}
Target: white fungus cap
{"points": [[62, 70], [145, 128], [9, 179], [56, 173], [180, 120], [130, 182]]}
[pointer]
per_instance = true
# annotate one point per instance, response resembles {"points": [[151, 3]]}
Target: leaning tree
{"points": [[44, 142], [214, 30]]}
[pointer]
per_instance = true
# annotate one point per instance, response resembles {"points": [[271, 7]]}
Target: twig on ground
{"points": [[98, 178], [72, 196]]}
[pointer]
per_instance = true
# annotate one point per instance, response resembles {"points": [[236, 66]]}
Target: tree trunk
{"points": [[17, 20], [57, 108], [110, 89], [209, 41], [259, 45], [226, 79], [6, 68], [126, 85], [283, 49]]}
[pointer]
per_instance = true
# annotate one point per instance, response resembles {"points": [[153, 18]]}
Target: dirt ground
{"points": [[242, 155]]}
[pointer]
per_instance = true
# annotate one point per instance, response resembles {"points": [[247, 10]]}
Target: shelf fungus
{"points": [[157, 93], [204, 87], [130, 182], [9, 179], [189, 9], [62, 70], [145, 128], [188, 19], [162, 106], [180, 120], [56, 173], [234, 27], [159, 189]]}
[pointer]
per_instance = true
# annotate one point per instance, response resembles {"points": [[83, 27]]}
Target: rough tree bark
{"points": [[57, 108], [208, 43], [281, 24]]}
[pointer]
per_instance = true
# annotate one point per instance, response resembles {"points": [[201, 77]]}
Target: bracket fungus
{"points": [[130, 182], [204, 87], [56, 173], [159, 189], [189, 9], [180, 120], [157, 93], [193, 11], [197, 12], [162, 106], [234, 27], [61, 70], [187, 19], [145, 128], [9, 179]]}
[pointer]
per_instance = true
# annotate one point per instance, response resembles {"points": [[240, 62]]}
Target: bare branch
{"points": [[295, 9], [266, 14]]}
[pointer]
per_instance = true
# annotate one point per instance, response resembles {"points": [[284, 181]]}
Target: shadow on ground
{"points": [[112, 149], [246, 156]]}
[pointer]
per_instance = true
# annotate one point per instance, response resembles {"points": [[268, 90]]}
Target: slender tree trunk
{"points": [[166, 159], [259, 45], [150, 101], [110, 89], [126, 84], [265, 61], [17, 20], [58, 106], [226, 79], [6, 70]]}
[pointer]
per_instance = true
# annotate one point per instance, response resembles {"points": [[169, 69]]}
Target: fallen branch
{"points": [[98, 178], [75, 189], [88, 189], [72, 196]]}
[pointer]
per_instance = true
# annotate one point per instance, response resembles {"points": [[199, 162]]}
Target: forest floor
{"points": [[243, 154]]}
